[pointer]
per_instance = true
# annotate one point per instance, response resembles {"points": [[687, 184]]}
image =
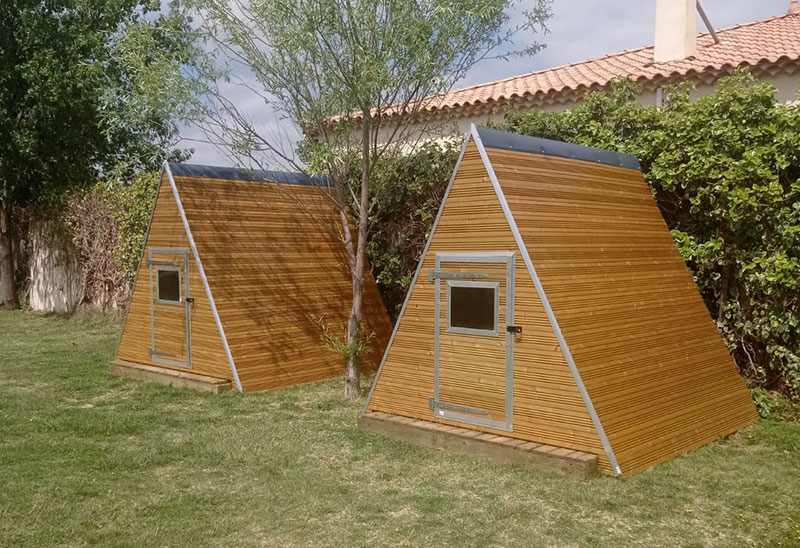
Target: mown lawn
{"points": [[87, 459]]}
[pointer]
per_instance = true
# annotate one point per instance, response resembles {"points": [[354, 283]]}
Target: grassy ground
{"points": [[87, 459]]}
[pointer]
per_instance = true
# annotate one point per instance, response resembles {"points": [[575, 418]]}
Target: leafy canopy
{"points": [[87, 87]]}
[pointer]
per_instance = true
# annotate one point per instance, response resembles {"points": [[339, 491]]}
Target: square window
{"points": [[472, 308], [169, 285]]}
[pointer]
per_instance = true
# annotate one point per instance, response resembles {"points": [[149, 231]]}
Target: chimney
{"points": [[793, 8], [676, 30]]}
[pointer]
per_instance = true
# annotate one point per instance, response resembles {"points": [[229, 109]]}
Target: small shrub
{"points": [[765, 403], [338, 345]]}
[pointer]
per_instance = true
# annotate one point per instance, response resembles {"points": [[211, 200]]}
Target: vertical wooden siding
{"points": [[208, 355], [547, 405], [654, 365], [273, 259]]}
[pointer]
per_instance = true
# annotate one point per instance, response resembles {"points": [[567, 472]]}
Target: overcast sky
{"points": [[579, 30]]}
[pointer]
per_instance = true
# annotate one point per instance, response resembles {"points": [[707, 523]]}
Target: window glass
{"points": [[472, 308], [169, 285]]}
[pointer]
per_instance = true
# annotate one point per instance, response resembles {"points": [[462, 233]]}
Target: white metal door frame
{"points": [[157, 356], [456, 412]]}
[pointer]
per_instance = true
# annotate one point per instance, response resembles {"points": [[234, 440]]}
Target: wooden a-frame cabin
{"points": [[237, 270], [551, 306]]}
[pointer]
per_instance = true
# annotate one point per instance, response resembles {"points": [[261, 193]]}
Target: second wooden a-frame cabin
{"points": [[238, 269], [551, 306]]}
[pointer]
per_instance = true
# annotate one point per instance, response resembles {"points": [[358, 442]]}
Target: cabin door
{"points": [[474, 338], [170, 302]]}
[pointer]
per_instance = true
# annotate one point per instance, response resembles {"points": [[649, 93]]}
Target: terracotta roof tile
{"points": [[768, 41]]}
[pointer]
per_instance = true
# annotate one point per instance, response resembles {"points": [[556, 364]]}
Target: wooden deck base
{"points": [[169, 377], [473, 443]]}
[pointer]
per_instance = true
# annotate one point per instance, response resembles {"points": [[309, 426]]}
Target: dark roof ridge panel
{"points": [[492, 138], [237, 174]]}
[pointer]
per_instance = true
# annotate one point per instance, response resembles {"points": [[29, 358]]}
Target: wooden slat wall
{"points": [[273, 260], [208, 355], [652, 360], [547, 405]]}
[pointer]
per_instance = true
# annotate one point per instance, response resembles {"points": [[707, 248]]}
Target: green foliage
{"points": [[155, 79], [83, 90], [775, 406], [724, 170], [764, 402], [107, 224], [612, 121], [133, 216], [408, 190], [88, 89]]}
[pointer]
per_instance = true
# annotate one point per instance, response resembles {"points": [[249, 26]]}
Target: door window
{"points": [[169, 285], [473, 308]]}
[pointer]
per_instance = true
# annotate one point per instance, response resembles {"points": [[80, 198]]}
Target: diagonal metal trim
{"points": [[416, 274], [546, 304], [203, 276]]}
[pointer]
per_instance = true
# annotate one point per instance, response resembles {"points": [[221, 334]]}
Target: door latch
{"points": [[515, 329]]}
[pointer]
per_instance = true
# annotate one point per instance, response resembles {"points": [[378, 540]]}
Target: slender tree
{"points": [[354, 77], [87, 88]]}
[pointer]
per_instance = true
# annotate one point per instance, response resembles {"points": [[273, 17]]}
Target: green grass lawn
{"points": [[88, 459]]}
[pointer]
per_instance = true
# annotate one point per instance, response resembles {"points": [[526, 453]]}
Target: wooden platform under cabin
{"points": [[474, 443], [169, 377]]}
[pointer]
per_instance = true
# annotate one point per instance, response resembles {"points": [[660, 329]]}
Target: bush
{"points": [[109, 222], [408, 191], [724, 170]]}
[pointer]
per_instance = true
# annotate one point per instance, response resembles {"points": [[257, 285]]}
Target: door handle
{"points": [[190, 300], [515, 329]]}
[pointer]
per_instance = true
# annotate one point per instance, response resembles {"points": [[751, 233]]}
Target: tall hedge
{"points": [[106, 225], [724, 170]]}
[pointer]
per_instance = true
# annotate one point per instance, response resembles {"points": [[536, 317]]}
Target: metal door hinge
{"points": [[162, 354], [439, 275], [437, 405], [151, 262]]}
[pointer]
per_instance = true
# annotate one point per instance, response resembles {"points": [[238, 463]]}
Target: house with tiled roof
{"points": [[769, 48]]}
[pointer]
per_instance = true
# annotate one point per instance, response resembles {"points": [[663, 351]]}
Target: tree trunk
{"points": [[354, 322], [8, 278], [353, 373]]}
